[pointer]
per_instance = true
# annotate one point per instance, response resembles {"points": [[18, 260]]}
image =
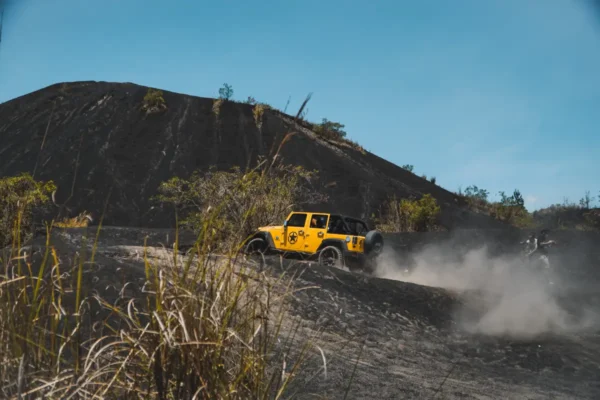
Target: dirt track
{"points": [[413, 345]]}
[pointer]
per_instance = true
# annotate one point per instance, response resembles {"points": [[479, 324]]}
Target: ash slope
{"points": [[98, 138], [412, 346]]}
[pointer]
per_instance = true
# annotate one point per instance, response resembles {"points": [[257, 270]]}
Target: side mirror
{"points": [[285, 224]]}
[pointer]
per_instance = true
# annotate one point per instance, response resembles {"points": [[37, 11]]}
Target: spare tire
{"points": [[373, 243]]}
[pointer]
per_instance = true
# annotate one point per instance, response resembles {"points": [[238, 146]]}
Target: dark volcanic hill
{"points": [[98, 137]]}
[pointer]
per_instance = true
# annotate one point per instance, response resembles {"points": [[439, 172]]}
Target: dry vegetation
{"points": [[409, 215], [202, 327], [236, 202], [258, 111], [511, 210], [330, 131], [80, 221], [199, 330], [570, 215]]}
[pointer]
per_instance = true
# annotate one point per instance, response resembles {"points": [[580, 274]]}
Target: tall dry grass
{"points": [[201, 326]]}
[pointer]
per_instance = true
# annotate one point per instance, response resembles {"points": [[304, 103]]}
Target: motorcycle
{"points": [[539, 263]]}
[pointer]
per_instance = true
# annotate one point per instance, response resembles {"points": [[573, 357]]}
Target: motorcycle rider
{"points": [[530, 244], [539, 247], [544, 242]]}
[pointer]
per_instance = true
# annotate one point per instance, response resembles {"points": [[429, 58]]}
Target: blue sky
{"points": [[502, 94]]}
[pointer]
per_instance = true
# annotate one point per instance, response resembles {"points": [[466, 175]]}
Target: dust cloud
{"points": [[502, 296]]}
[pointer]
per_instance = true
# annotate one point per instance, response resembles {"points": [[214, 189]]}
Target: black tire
{"points": [[373, 243], [256, 246], [331, 256]]}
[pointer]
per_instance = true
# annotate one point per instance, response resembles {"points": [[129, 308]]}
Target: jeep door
{"points": [[294, 232], [317, 228]]}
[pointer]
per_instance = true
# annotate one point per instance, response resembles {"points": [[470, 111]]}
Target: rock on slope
{"points": [[98, 137]]}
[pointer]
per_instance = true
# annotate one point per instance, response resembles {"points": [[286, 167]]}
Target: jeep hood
{"points": [[270, 228]]}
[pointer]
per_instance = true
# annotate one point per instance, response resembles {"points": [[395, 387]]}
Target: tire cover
{"points": [[371, 239]]}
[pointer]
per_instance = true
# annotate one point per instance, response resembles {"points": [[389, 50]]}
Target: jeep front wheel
{"points": [[331, 256]]}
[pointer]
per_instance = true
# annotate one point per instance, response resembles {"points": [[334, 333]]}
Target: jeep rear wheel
{"points": [[331, 256], [257, 246]]}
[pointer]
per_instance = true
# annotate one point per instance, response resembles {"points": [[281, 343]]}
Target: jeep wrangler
{"points": [[334, 239]]}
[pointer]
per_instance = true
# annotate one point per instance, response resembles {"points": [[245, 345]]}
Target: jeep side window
{"points": [[336, 225], [297, 220], [318, 221]]}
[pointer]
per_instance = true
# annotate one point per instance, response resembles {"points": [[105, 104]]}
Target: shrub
{"points": [[567, 215], [19, 197], [511, 209], [408, 167], [432, 180], [592, 219], [409, 215], [238, 202], [476, 193], [330, 130], [333, 132], [154, 101], [477, 199]]}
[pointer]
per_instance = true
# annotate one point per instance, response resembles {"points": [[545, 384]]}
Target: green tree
{"points": [[226, 92], [476, 193], [237, 202], [511, 209]]}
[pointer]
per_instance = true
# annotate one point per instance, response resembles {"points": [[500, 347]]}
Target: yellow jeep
{"points": [[334, 239]]}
